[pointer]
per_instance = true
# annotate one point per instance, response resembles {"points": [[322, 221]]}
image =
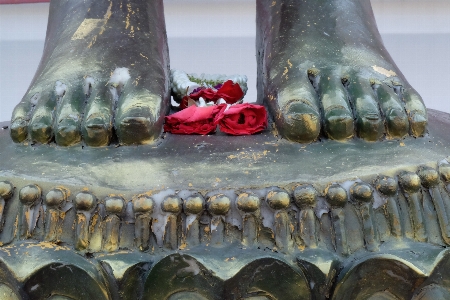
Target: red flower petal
{"points": [[231, 92], [242, 119], [208, 94], [193, 120]]}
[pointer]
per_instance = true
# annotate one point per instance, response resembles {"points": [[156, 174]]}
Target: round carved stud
{"points": [[55, 197], [6, 190], [85, 201], [410, 182], [219, 204], [336, 195], [361, 192], [143, 204], [171, 204], [387, 186], [305, 196], [29, 194], [194, 204], [432, 292], [278, 199], [248, 202], [445, 172], [114, 205], [429, 177]]}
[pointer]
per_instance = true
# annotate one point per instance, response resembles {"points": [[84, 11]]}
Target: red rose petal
{"points": [[193, 120], [208, 94], [242, 119], [231, 92]]}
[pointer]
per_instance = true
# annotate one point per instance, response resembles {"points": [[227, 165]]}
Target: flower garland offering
{"points": [[209, 100]]}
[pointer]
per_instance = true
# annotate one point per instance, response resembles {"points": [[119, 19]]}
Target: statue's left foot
{"points": [[103, 76], [323, 70]]}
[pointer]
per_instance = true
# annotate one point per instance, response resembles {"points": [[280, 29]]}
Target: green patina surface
{"points": [[220, 161]]}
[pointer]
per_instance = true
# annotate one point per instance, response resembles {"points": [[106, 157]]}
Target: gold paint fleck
{"points": [[383, 71], [86, 27]]}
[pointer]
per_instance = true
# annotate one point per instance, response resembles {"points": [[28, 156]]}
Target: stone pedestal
{"points": [[222, 217]]}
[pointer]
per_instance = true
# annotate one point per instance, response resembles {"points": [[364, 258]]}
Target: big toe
{"points": [[300, 122], [134, 129], [139, 116]]}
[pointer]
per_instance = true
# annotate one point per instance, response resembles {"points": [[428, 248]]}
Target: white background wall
{"points": [[217, 36]]}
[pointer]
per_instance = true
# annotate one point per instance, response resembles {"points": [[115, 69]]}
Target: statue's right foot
{"points": [[103, 75], [324, 72]]}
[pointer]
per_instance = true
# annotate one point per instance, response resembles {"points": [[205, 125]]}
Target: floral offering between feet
{"points": [[209, 100]]}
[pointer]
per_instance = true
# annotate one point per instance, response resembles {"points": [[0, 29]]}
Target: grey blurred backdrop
{"points": [[218, 36]]}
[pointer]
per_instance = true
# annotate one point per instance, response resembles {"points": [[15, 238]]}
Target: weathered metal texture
{"points": [[273, 235]]}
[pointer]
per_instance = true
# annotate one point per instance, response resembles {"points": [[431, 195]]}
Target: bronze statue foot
{"points": [[324, 72], [103, 75]]}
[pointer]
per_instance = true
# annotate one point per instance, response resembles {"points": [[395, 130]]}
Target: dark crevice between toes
{"points": [[398, 89], [313, 76], [346, 84], [314, 79], [388, 121]]}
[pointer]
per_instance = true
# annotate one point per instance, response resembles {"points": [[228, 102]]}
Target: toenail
{"points": [[134, 120], [95, 123], [372, 117]]}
